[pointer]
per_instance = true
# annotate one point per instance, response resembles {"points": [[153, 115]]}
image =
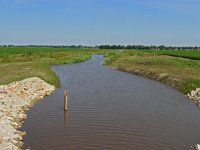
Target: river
{"points": [[109, 109]]}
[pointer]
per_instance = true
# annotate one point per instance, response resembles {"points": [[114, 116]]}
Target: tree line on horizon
{"points": [[49, 46], [152, 47], [136, 47]]}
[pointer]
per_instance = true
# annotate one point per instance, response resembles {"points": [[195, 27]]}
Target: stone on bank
{"points": [[15, 99], [195, 96]]}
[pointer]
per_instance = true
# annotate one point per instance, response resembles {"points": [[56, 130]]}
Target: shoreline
{"points": [[194, 95], [18, 97], [15, 100]]}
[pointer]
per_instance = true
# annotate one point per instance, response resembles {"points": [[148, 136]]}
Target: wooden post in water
{"points": [[65, 100]]}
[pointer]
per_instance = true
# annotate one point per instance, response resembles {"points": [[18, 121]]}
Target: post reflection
{"points": [[65, 119]]}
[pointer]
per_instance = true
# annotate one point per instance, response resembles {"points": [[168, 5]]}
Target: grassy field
{"points": [[178, 53], [178, 72], [21, 63]]}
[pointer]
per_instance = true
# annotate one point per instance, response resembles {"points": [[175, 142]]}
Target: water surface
{"points": [[109, 109]]}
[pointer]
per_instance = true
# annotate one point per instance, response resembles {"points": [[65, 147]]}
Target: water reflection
{"points": [[111, 110], [65, 119]]}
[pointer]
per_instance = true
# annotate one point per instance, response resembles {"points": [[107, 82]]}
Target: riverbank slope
{"points": [[15, 99], [180, 73]]}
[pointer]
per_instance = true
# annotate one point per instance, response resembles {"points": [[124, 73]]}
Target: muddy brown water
{"points": [[109, 109]]}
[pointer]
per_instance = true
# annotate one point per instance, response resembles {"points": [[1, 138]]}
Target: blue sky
{"points": [[94, 22]]}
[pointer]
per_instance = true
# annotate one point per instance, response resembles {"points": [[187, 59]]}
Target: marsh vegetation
{"points": [[19, 63], [179, 69]]}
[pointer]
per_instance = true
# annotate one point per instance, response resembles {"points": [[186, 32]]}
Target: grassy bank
{"points": [[21, 63], [178, 72], [190, 54]]}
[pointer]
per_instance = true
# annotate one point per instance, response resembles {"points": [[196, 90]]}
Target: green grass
{"points": [[178, 53], [110, 57], [20, 63], [32, 54], [18, 71], [178, 72], [29, 50]]}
